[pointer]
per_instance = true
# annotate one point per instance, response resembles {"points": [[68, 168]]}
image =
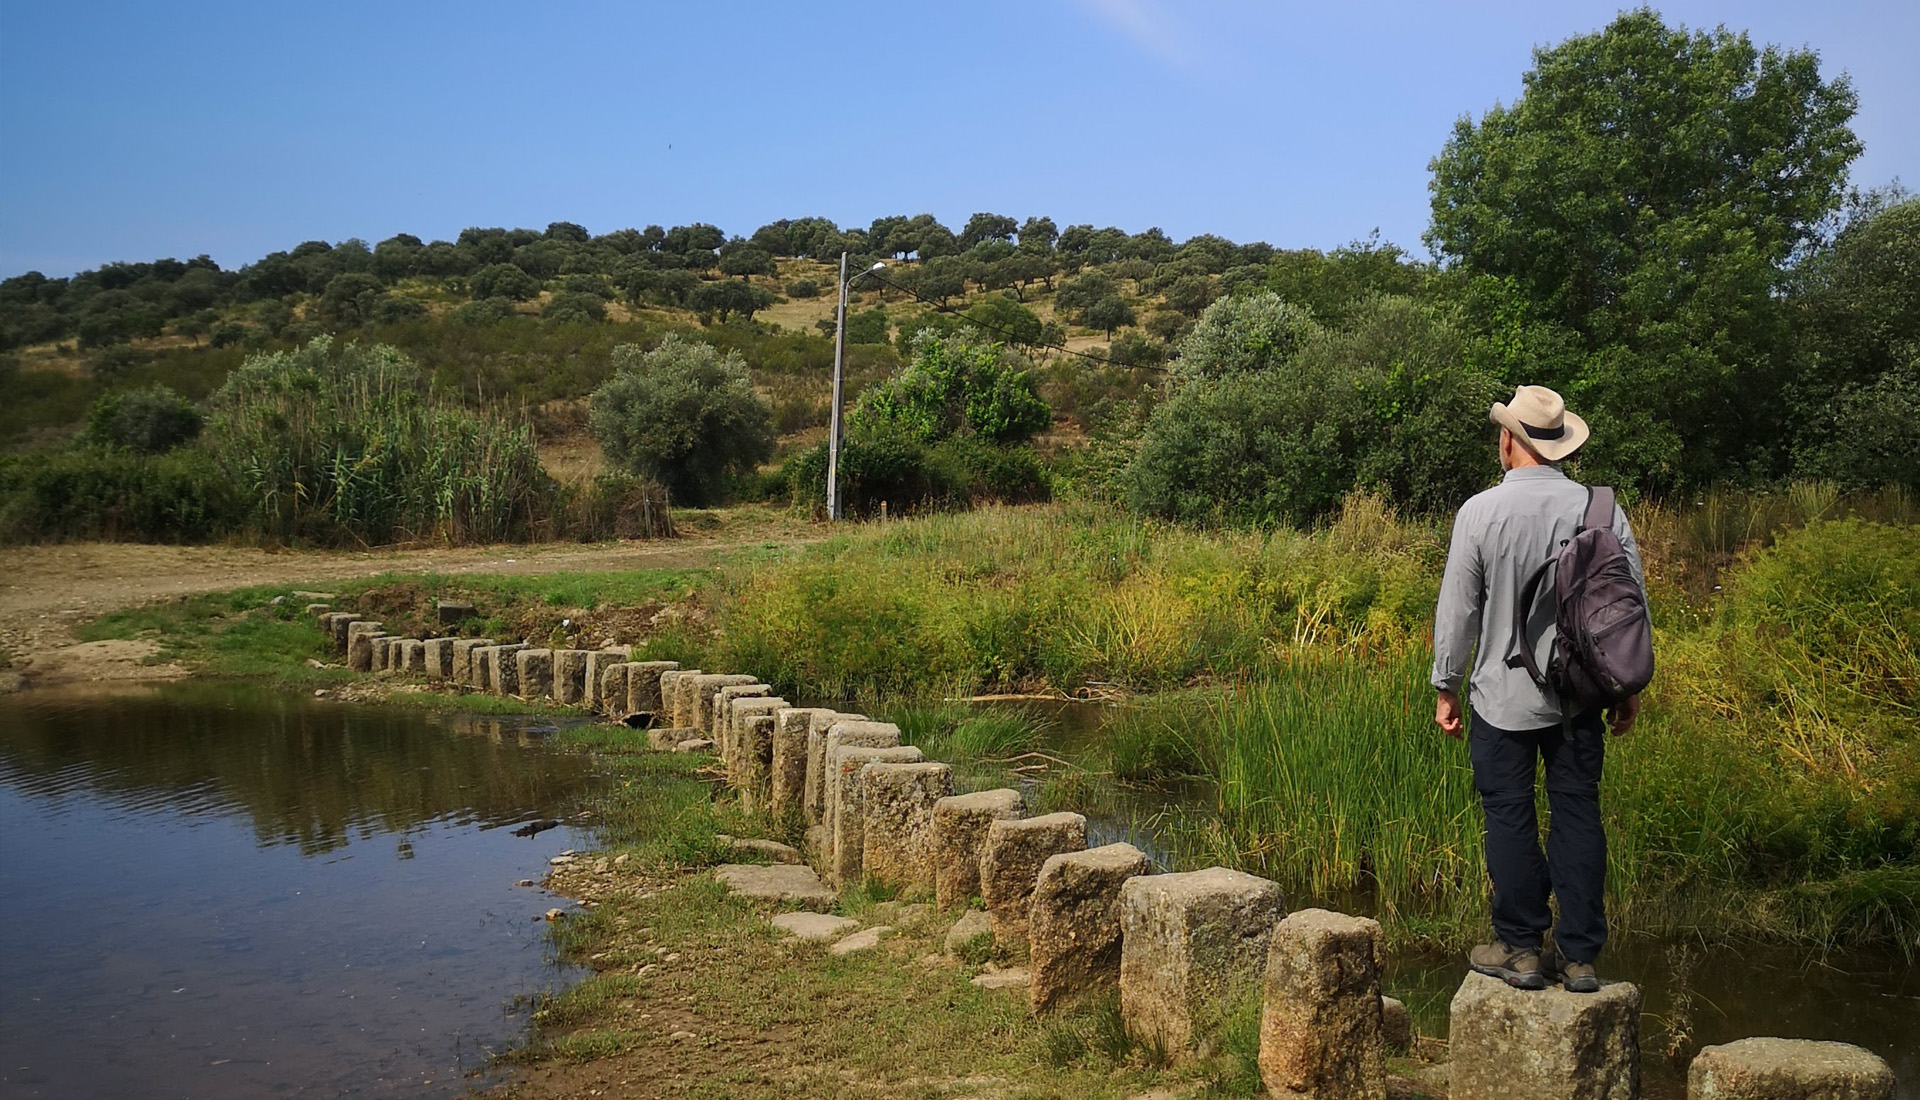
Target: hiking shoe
{"points": [[1574, 977], [1519, 967]]}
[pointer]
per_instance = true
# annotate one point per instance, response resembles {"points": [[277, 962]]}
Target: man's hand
{"points": [[1446, 715], [1621, 716]]}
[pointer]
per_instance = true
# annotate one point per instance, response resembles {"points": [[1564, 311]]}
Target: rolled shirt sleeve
{"points": [[1456, 618]]}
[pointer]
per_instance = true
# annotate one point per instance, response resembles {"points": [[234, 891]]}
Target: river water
{"points": [[214, 892]]}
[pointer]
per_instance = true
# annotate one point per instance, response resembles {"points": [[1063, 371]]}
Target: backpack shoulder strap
{"points": [[1528, 593], [1599, 514]]}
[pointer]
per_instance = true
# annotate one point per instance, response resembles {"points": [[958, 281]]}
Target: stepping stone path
{"points": [[1180, 947]]}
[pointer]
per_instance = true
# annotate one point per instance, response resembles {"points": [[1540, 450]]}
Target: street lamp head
{"points": [[879, 265]]}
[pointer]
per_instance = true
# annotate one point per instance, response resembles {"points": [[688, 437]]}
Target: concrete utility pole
{"points": [[839, 369]]}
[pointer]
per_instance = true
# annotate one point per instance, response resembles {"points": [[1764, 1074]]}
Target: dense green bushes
{"points": [[685, 416], [93, 494], [146, 421], [350, 444]]}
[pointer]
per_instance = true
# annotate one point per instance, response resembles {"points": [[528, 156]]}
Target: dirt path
{"points": [[46, 591]]}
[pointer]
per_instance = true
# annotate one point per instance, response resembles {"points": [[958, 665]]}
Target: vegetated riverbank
{"points": [[1771, 790]]}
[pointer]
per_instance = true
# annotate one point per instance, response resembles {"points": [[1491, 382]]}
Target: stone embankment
{"points": [[1179, 949]]}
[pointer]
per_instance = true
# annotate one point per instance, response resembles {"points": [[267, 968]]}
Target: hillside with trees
{"points": [[1662, 226]]}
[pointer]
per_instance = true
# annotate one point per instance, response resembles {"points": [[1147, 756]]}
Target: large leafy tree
{"points": [[683, 415], [1648, 192]]}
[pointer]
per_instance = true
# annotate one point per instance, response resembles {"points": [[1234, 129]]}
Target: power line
{"points": [[1008, 333]]}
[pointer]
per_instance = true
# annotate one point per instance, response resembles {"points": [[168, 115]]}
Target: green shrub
{"points": [[182, 496], [574, 306], [352, 444], [803, 288], [145, 421], [956, 384], [684, 416]]}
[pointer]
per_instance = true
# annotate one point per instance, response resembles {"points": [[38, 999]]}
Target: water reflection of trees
{"points": [[308, 775]]}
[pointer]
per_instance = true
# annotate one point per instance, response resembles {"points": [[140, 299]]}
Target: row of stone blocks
{"points": [[1180, 948], [604, 679]]}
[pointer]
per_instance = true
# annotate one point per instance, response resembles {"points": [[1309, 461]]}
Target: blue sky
{"points": [[133, 131]]}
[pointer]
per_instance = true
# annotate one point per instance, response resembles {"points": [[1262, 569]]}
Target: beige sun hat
{"points": [[1538, 418]]}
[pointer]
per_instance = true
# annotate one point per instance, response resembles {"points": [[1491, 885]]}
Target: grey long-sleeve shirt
{"points": [[1499, 538]]}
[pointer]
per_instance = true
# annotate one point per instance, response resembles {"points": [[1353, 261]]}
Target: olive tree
{"points": [[684, 415]]}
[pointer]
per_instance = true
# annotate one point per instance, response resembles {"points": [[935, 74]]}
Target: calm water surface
{"points": [[219, 892]]}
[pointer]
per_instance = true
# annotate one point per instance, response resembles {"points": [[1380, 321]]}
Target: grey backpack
{"points": [[1604, 651]]}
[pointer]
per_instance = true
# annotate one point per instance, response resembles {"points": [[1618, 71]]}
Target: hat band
{"points": [[1543, 433]]}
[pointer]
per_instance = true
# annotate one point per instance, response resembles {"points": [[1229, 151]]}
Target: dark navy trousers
{"points": [[1574, 868]]}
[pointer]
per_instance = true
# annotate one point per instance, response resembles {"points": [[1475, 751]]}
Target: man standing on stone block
{"points": [[1499, 538]]}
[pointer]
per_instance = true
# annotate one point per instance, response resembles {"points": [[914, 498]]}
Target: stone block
{"points": [[959, 832], [787, 779], [847, 831], [972, 925], [612, 689], [383, 651], [860, 941], [643, 686], [1396, 1025], [1013, 977], [897, 810], [785, 883], [752, 754], [721, 729], [463, 648], [852, 734], [694, 744], [569, 676], [597, 662], [502, 671], [1321, 1028], [318, 609], [413, 656], [1191, 946], [815, 801], [814, 926], [704, 687], [1073, 926], [1544, 1044], [665, 738], [360, 635], [340, 622], [673, 692], [1010, 860], [1788, 1069], [439, 658], [454, 612], [535, 673]]}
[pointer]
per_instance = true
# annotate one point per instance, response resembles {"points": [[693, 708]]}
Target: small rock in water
{"points": [[556, 914], [560, 861], [524, 882]]}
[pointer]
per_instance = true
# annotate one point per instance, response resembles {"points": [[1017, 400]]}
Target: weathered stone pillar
{"points": [[535, 672], [502, 667], [643, 687], [360, 635], [1191, 946], [1321, 1035], [815, 800], [1010, 862], [1396, 1025], [569, 676], [1788, 1069], [337, 624], [676, 695], [959, 832], [897, 810], [849, 831], [413, 656], [383, 652], [463, 648], [705, 687], [787, 786], [439, 658], [667, 738], [318, 610], [851, 734], [614, 679], [1073, 930], [597, 662], [1544, 1044], [753, 756], [721, 727]]}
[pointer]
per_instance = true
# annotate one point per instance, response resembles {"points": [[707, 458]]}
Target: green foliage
{"points": [[683, 415], [883, 465], [573, 306], [1648, 192], [1238, 335], [145, 421], [1107, 314], [116, 495], [1004, 319], [503, 281], [955, 384], [726, 297], [803, 288], [351, 444], [868, 326]]}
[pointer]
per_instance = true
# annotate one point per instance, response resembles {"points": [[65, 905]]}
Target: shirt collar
{"points": [[1532, 472]]}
